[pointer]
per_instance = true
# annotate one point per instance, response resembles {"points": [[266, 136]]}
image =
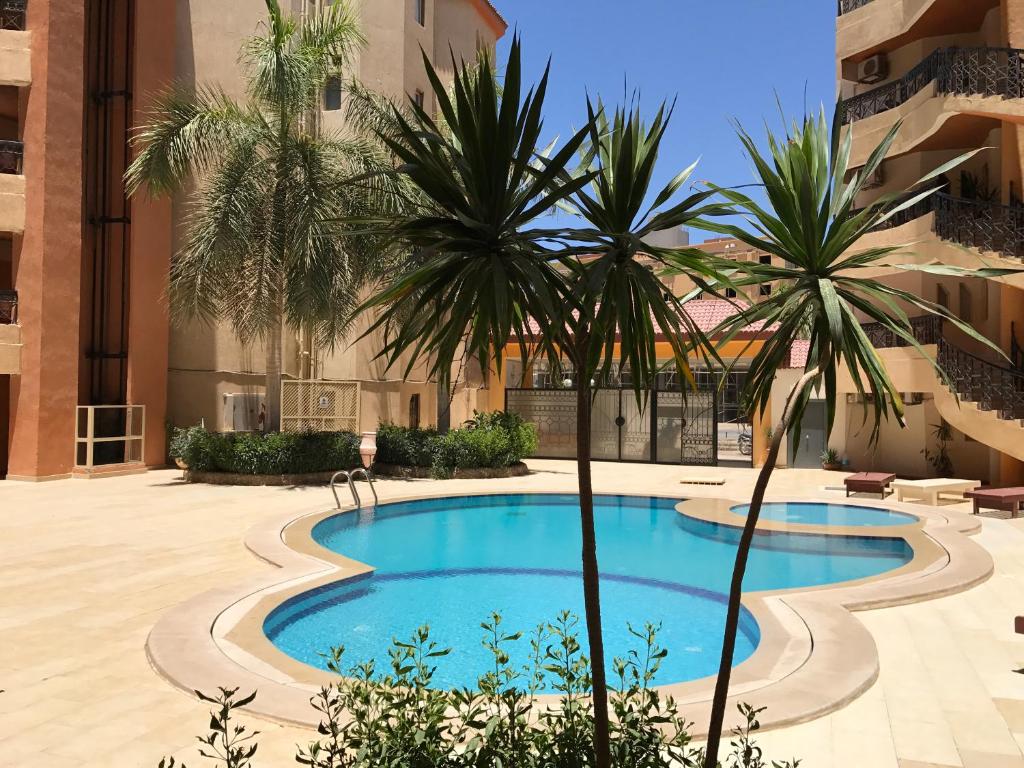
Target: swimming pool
{"points": [[814, 513], [450, 562]]}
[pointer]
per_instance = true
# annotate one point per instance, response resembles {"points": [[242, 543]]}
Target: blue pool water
{"points": [[811, 513], [450, 562]]}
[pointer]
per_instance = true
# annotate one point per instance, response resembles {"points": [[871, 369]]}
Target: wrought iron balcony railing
{"points": [[11, 154], [981, 224], [8, 307], [993, 387], [964, 71], [847, 6], [926, 330], [987, 226], [12, 14]]}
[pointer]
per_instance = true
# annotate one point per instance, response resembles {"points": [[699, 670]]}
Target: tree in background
{"points": [[268, 182]]}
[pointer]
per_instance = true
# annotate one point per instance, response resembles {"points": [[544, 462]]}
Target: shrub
{"points": [[405, 446], [274, 453], [372, 718], [491, 440]]}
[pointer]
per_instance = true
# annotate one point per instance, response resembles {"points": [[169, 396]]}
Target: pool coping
{"points": [[814, 656]]}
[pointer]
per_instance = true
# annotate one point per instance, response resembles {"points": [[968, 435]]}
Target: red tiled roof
{"points": [[798, 353], [707, 314]]}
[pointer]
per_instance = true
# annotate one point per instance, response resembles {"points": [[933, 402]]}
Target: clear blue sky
{"points": [[724, 59]]}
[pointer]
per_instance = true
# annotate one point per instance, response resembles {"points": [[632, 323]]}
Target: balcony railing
{"points": [[993, 387], [966, 71], [987, 226], [12, 14], [11, 154], [847, 6], [981, 224], [8, 307], [110, 434], [926, 330]]}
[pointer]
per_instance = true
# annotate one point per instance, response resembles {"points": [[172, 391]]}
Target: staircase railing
{"points": [[926, 330], [967, 71], [993, 387]]}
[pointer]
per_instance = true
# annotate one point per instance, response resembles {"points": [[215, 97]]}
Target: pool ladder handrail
{"points": [[350, 477]]}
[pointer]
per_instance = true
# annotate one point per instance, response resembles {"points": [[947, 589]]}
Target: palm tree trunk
{"points": [[591, 576], [732, 618], [273, 384]]}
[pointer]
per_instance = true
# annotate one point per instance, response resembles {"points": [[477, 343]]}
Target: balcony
{"points": [[10, 334], [980, 224], [848, 6], [955, 71], [15, 56], [12, 187]]}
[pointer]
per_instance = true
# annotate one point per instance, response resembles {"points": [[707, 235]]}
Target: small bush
{"points": [[274, 453], [404, 446], [374, 717], [489, 440]]}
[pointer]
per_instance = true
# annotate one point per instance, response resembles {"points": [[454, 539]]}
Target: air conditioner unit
{"points": [[876, 179], [873, 70], [242, 411]]}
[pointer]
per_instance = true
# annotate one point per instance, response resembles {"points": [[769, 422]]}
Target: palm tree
{"points": [[483, 269], [268, 182], [813, 228]]}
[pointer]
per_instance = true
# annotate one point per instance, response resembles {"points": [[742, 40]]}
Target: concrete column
{"points": [[151, 237], [47, 258]]}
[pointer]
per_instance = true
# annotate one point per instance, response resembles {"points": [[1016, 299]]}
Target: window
{"points": [[765, 258], [730, 293], [942, 296], [421, 12], [765, 289], [332, 94], [965, 304], [414, 411], [419, 98]]}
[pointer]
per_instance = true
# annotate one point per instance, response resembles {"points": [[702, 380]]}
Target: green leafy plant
{"points": [[830, 457], [939, 459], [405, 446], [396, 718], [488, 440], [485, 267], [273, 453], [811, 227]]}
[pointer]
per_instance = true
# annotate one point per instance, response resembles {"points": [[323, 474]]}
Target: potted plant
{"points": [[830, 460]]}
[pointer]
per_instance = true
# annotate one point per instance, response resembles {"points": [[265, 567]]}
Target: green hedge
{"points": [[490, 440], [274, 453]]}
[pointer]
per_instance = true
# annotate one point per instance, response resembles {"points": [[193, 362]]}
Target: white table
{"points": [[928, 490]]}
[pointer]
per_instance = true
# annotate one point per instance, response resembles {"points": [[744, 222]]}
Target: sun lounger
{"points": [[928, 490], [1005, 499], [868, 482]]}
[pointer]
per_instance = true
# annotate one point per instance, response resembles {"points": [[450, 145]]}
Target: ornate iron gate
{"points": [[667, 427]]}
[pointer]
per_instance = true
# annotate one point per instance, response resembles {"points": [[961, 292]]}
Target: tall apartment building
{"points": [[91, 371], [953, 72]]}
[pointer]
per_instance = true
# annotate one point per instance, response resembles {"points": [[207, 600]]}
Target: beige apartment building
{"points": [[91, 371], [953, 71]]}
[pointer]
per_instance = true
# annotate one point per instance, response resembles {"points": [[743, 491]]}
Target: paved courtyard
{"points": [[87, 569]]}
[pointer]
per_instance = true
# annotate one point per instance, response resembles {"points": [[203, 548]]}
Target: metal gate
{"points": [[667, 427]]}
